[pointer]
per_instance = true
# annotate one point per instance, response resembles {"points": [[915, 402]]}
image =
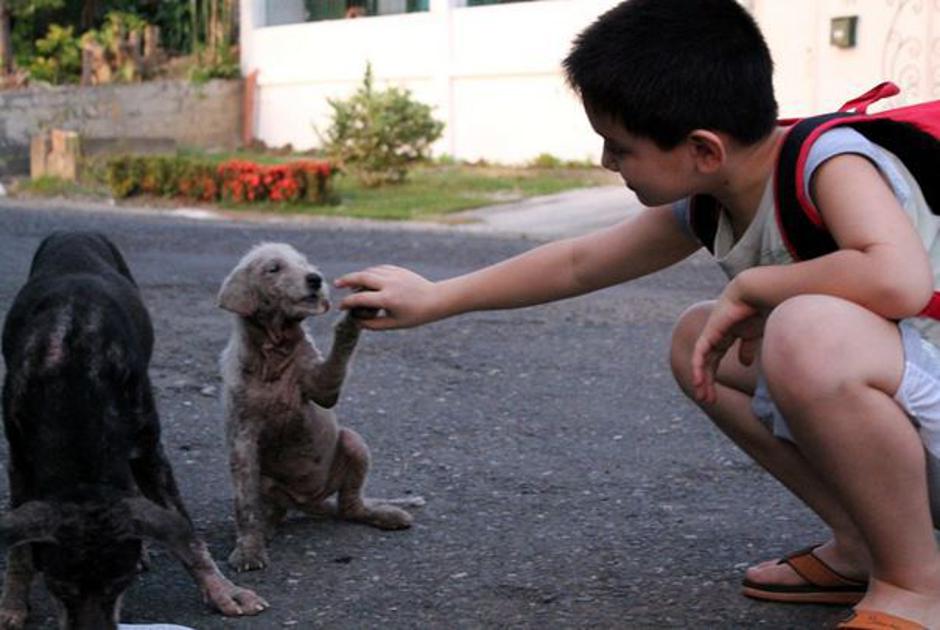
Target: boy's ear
{"points": [[708, 150]]}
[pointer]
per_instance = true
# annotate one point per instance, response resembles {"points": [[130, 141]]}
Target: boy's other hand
{"points": [[387, 297], [730, 320]]}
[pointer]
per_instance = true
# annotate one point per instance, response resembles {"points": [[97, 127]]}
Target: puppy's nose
{"points": [[314, 281]]}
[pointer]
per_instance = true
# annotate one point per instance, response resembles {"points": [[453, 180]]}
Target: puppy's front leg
{"points": [[323, 380], [249, 553], [154, 477]]}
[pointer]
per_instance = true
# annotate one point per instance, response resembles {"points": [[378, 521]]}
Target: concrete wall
{"points": [[493, 73], [162, 113]]}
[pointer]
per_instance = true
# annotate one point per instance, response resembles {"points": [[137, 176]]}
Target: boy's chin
{"points": [[652, 200]]}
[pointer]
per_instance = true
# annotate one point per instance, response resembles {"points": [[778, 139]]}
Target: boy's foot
{"points": [[897, 608], [803, 577], [874, 620]]}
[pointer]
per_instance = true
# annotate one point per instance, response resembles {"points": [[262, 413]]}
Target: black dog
{"points": [[88, 477]]}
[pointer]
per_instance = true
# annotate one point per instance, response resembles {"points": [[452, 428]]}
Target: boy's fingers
{"points": [[747, 351], [705, 359], [376, 323], [358, 279], [362, 299]]}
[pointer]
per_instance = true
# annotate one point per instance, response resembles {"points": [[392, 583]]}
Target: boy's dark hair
{"points": [[663, 68]]}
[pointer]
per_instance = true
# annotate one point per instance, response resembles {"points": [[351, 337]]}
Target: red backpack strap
{"points": [[860, 104], [800, 225], [803, 230], [911, 133]]}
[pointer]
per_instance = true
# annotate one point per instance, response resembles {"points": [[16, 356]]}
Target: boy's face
{"points": [[657, 177]]}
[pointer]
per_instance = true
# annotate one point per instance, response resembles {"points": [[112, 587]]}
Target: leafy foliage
{"points": [[376, 135], [205, 28], [112, 35], [59, 57]]}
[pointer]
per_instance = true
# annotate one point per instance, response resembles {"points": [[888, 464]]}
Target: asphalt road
{"points": [[568, 483]]}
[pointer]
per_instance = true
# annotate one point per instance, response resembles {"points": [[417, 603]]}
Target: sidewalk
{"points": [[548, 217], [570, 213]]}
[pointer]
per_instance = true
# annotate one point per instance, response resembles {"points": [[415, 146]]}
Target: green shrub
{"points": [[376, 135], [545, 160], [222, 65], [59, 57], [118, 26], [120, 179]]}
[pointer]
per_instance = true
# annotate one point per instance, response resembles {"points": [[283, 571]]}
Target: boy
{"points": [[814, 368]]}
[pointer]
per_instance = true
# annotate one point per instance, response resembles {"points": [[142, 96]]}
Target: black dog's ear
{"points": [[236, 294]]}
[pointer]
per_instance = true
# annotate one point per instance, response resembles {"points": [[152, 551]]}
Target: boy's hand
{"points": [[731, 319], [388, 297]]}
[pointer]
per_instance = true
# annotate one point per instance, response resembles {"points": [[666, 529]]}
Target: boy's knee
{"points": [[801, 338], [684, 335]]}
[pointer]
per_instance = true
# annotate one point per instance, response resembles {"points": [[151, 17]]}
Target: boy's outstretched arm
{"points": [[881, 264], [647, 242]]}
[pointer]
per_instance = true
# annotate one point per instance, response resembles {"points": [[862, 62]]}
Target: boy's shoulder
{"points": [[788, 201]]}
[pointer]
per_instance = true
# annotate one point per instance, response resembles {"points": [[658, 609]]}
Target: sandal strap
{"points": [[816, 572]]}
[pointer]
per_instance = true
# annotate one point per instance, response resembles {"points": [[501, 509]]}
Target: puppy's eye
{"points": [[273, 268]]}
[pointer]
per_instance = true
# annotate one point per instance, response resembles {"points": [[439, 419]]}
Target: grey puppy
{"points": [[286, 447]]}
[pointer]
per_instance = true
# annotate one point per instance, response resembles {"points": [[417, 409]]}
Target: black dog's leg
{"points": [[155, 479], [14, 603]]}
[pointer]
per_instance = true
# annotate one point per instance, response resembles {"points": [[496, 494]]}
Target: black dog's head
{"points": [[89, 552], [87, 580]]}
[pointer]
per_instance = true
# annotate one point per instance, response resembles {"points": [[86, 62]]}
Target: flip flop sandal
{"points": [[874, 620], [822, 584]]}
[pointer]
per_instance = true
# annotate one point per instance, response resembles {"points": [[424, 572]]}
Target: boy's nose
{"points": [[609, 163]]}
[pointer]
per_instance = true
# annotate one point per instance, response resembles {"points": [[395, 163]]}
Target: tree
{"points": [[17, 9], [6, 42]]}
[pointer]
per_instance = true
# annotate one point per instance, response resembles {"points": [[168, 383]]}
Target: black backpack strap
{"points": [[803, 231], [703, 219]]}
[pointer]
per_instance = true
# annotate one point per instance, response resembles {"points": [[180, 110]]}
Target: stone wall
{"points": [[138, 117]]}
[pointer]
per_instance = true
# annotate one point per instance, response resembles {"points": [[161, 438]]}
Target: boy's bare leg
{"points": [[833, 368], [845, 552]]}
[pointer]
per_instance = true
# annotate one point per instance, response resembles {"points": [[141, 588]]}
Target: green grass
{"points": [[250, 155], [432, 192], [47, 186]]}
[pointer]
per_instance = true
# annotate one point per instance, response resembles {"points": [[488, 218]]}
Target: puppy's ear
{"points": [[236, 294]]}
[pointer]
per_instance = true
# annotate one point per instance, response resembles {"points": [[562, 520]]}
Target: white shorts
{"points": [[918, 395]]}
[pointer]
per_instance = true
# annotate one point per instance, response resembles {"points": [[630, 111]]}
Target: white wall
{"points": [[493, 74], [898, 40]]}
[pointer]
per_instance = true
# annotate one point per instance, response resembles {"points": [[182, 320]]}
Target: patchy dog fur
{"points": [[286, 448], [89, 480]]}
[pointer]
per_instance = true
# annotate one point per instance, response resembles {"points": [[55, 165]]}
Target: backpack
{"points": [[912, 133]]}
